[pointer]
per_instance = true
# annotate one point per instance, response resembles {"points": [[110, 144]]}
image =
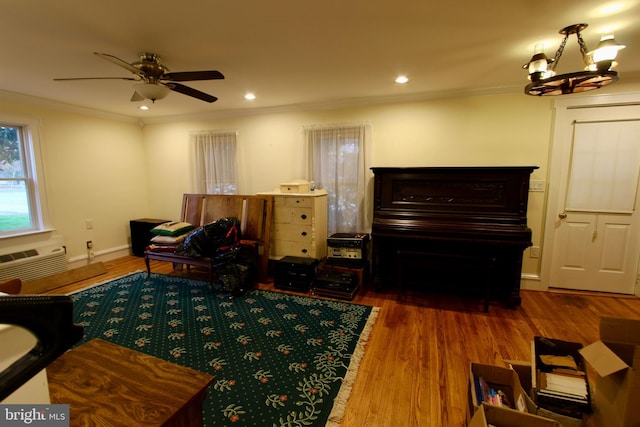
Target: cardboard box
{"points": [[504, 417], [616, 359], [498, 378]]}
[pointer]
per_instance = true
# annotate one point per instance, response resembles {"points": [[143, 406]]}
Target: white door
{"points": [[594, 215]]}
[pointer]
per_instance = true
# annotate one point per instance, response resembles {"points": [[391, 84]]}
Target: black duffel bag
{"points": [[237, 268], [207, 240]]}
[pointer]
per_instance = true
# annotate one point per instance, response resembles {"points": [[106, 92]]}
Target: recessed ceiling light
{"points": [[143, 107], [402, 79], [250, 96], [611, 8]]}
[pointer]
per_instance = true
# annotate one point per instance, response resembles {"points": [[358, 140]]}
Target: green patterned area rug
{"points": [[278, 359]]}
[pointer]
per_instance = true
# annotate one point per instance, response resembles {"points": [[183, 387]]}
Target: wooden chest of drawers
{"points": [[299, 226]]}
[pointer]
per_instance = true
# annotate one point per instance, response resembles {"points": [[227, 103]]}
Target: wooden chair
{"points": [[254, 213], [11, 286]]}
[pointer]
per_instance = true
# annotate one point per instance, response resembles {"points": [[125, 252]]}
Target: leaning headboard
{"points": [[254, 213]]}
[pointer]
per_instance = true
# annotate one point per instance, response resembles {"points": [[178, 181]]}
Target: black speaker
{"points": [[295, 273], [336, 284], [141, 233]]}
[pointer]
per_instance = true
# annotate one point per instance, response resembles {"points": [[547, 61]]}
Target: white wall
{"points": [[94, 169]]}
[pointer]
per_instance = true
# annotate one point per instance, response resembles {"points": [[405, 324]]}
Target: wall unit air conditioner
{"points": [[32, 263]]}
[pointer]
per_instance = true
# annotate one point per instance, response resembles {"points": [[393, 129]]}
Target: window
{"points": [[605, 161], [337, 163], [20, 207], [215, 162]]}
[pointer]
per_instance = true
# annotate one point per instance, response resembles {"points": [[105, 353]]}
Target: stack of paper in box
{"points": [[565, 384], [560, 379]]}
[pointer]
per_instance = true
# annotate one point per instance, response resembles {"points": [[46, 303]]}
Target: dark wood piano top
{"points": [[455, 195]]}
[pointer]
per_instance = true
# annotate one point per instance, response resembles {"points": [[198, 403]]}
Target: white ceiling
{"points": [[295, 53]]}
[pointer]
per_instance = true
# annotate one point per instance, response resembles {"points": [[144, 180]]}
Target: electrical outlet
{"points": [[89, 244], [88, 223]]}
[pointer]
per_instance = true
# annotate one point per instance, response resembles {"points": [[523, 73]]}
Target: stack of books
{"points": [[492, 394], [565, 385]]}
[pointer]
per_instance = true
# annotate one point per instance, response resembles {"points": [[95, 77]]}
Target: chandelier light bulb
{"points": [[607, 49], [538, 61]]}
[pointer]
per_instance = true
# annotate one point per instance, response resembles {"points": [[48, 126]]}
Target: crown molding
{"points": [[61, 106]]}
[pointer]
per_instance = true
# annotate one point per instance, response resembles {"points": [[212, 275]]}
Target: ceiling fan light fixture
{"points": [[156, 78], [152, 91], [597, 73]]}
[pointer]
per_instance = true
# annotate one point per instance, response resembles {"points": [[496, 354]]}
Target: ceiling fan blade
{"points": [[186, 90], [119, 62], [137, 97], [96, 78], [186, 76]]}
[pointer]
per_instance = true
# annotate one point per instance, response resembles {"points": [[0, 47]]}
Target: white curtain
{"points": [[337, 162], [215, 162], [605, 163]]}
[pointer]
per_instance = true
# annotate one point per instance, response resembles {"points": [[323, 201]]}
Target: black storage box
{"points": [[141, 233], [567, 404], [336, 284], [295, 273]]}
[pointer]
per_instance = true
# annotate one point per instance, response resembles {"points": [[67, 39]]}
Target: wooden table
{"points": [[109, 385]]}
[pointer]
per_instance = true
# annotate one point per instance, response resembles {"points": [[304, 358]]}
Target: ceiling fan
{"points": [[156, 79]]}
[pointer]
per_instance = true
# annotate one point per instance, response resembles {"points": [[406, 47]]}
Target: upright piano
{"points": [[452, 229]]}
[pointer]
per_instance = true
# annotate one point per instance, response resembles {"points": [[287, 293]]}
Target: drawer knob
{"points": [[303, 216], [304, 251], [304, 233]]}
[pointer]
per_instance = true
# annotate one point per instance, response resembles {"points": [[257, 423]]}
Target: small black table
{"points": [[141, 233]]}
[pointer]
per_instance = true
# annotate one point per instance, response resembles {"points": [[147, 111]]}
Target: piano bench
{"points": [[407, 258]]}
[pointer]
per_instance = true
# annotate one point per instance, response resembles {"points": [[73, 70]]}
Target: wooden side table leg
{"points": [[146, 261]]}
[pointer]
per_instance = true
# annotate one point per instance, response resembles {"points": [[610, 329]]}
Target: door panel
{"points": [[615, 247], [572, 243]]}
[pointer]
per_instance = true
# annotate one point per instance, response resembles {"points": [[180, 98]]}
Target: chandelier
{"points": [[597, 72]]}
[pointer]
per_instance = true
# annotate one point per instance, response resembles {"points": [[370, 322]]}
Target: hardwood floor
{"points": [[416, 366]]}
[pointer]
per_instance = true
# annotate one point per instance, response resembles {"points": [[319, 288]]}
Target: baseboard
{"points": [[531, 282], [100, 256]]}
